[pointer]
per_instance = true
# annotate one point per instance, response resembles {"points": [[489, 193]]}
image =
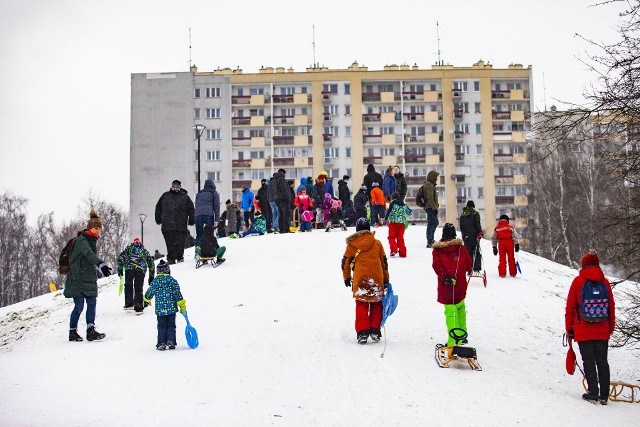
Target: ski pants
{"points": [[432, 224], [284, 215], [275, 220], [456, 317], [368, 315], [377, 214], [175, 244], [78, 306], [167, 329], [201, 221], [305, 225], [396, 238], [506, 252], [473, 247], [596, 366], [133, 283]]}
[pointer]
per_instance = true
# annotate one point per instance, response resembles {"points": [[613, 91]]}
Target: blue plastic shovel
{"points": [[190, 333]]}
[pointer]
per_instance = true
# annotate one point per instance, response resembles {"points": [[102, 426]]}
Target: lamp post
{"points": [[199, 130], [142, 218]]}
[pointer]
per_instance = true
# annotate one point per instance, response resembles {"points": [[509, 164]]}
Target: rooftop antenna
{"points": [[438, 39], [544, 92], [313, 43], [189, 48]]}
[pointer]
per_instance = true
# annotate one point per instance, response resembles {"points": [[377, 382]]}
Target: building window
{"points": [[333, 109], [347, 88], [214, 176], [348, 152], [213, 113], [212, 92], [257, 154], [196, 93], [478, 128], [479, 149], [480, 192], [213, 134], [433, 87], [479, 171], [347, 130], [347, 109], [460, 86], [331, 88], [196, 113], [213, 155], [332, 152], [477, 105], [256, 91], [476, 86]]}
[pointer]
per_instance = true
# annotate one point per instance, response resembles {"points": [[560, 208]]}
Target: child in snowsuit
{"points": [[378, 204], [365, 256], [209, 246], [397, 216], [258, 228], [349, 213], [304, 202], [504, 240], [592, 337], [335, 216], [360, 201], [134, 261], [452, 262], [168, 300], [471, 231]]}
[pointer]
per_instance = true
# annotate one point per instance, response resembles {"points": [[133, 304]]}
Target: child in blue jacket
{"points": [[168, 300]]}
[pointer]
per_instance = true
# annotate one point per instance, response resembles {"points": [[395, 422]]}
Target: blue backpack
{"points": [[594, 302]]}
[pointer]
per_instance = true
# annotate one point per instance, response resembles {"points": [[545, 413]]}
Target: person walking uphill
{"points": [[451, 262], [207, 209], [366, 257], [471, 231], [82, 280], [282, 195], [175, 211], [504, 241], [431, 205], [134, 261], [397, 216], [591, 329]]}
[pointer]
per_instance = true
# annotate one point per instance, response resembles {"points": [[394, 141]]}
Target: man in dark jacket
{"points": [[282, 195], [431, 206], [263, 201], [318, 198], [401, 183], [360, 202], [343, 190], [207, 208], [388, 184], [271, 196], [175, 211], [371, 177], [471, 233]]}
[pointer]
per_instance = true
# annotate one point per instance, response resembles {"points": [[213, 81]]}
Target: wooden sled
{"points": [[209, 260], [481, 274], [620, 391], [447, 354]]}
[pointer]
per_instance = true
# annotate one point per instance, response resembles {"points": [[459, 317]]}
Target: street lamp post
{"points": [[199, 130], [142, 218]]}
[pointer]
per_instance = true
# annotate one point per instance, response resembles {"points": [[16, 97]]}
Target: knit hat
{"points": [[590, 258], [136, 240], [362, 224], [282, 171], [375, 184], [176, 182], [263, 180], [505, 217], [94, 220], [471, 204], [163, 268], [345, 177], [228, 202], [363, 187], [395, 195], [448, 231], [321, 177]]}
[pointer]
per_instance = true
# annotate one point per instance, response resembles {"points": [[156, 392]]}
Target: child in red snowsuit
{"points": [[504, 240]]}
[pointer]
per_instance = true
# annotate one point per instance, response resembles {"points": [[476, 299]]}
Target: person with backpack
{"points": [[365, 256], [397, 217], [590, 318], [430, 203], [133, 262], [168, 301], [451, 262], [174, 211], [360, 201], [371, 177], [504, 240], [471, 231], [82, 278]]}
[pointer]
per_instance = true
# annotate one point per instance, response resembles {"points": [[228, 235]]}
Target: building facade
{"points": [[468, 123]]}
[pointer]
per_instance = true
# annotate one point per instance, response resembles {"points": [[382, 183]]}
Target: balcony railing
{"points": [[241, 99], [504, 179], [376, 160], [327, 137], [280, 99], [459, 157], [414, 158], [326, 96], [371, 138], [241, 120], [504, 200], [457, 93], [283, 161], [410, 117], [283, 140], [413, 95], [237, 183], [416, 179], [371, 97], [372, 117], [501, 115], [503, 158], [500, 94], [245, 163], [414, 138], [461, 200], [283, 120]]}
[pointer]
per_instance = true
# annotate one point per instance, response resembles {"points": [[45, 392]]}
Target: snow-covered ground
{"points": [[277, 347]]}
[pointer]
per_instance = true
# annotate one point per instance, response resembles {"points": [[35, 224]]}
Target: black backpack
{"points": [[421, 201], [64, 262], [468, 225]]}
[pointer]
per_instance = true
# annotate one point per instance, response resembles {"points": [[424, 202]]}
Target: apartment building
{"points": [[468, 123]]}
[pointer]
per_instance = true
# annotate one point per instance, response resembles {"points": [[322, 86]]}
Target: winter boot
{"points": [[328, 228], [343, 225], [198, 252], [73, 335], [363, 336], [220, 260], [162, 346], [375, 334], [93, 335], [171, 261], [127, 307], [591, 398], [171, 345]]}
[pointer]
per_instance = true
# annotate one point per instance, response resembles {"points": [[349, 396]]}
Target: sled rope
{"points": [[384, 335]]}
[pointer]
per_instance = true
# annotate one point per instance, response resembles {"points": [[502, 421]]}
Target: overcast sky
{"points": [[66, 65]]}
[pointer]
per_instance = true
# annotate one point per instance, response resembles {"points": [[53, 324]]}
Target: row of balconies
{"points": [[394, 117], [261, 99], [426, 96], [296, 162]]}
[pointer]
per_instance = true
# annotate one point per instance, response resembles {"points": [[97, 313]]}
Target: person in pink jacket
{"points": [[592, 335]]}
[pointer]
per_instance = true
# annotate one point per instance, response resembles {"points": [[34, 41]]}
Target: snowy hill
{"points": [[277, 347]]}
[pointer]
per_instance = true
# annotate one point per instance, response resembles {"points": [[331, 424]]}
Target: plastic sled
{"points": [[389, 304], [190, 333], [446, 354]]}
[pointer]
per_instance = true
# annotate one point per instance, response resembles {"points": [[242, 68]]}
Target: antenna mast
{"points": [[438, 39], [189, 48], [313, 43]]}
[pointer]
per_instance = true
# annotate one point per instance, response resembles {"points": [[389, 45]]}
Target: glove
{"points": [[570, 334], [517, 247], [150, 280], [479, 235], [146, 303], [120, 273], [495, 250], [347, 282], [106, 271], [182, 305], [386, 282]]}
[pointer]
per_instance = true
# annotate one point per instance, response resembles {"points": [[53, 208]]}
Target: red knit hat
{"points": [[590, 258]]}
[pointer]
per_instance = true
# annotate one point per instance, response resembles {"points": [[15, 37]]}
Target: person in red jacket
{"points": [[452, 262], [505, 240], [592, 337]]}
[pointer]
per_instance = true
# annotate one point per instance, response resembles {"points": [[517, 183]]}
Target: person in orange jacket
{"points": [[378, 205], [504, 241]]}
